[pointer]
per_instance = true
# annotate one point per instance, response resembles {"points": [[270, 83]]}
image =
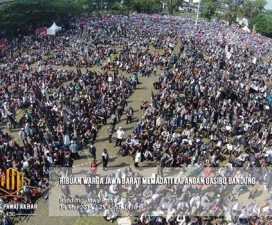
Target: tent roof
{"points": [[53, 29], [246, 29], [54, 26]]}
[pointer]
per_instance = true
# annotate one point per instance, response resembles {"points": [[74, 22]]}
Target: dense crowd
{"points": [[176, 203], [211, 107]]}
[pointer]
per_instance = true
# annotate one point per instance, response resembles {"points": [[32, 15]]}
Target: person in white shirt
{"points": [[171, 218], [181, 219], [157, 145], [120, 135], [67, 141], [102, 195], [110, 215], [195, 201], [165, 133], [23, 136], [138, 158], [27, 128], [145, 218]]}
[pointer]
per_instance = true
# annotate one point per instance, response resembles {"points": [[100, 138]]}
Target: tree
{"points": [[118, 8], [173, 5], [263, 24], [87, 6], [252, 8], [234, 9], [142, 6], [259, 5], [208, 9], [268, 12], [25, 16]]}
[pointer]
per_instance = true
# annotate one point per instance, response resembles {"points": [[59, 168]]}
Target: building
{"points": [[190, 5]]}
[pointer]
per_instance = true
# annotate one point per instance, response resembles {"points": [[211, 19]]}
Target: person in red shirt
{"points": [[93, 166]]}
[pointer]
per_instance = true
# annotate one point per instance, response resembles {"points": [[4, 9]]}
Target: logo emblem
{"points": [[11, 182]]}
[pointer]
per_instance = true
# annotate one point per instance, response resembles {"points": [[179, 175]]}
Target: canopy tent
{"points": [[246, 29], [53, 29]]}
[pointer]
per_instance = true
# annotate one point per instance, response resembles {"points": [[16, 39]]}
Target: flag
{"points": [[228, 55], [3, 45], [82, 22], [41, 31]]}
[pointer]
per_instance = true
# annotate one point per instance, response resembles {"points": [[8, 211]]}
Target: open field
{"points": [[142, 93]]}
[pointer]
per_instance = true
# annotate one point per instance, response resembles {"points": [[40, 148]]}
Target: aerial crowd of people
{"points": [[211, 105]]}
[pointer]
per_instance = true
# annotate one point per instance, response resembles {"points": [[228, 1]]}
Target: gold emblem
{"points": [[11, 183]]}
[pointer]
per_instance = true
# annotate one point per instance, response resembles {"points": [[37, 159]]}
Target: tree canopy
{"points": [[25, 15], [173, 5], [252, 10], [142, 6], [209, 9], [263, 24]]}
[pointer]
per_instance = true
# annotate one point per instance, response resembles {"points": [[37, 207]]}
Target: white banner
{"points": [[228, 55]]}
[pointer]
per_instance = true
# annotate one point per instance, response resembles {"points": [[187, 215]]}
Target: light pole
{"points": [[197, 14]]}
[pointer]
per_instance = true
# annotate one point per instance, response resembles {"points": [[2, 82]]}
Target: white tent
{"points": [[246, 29], [53, 29]]}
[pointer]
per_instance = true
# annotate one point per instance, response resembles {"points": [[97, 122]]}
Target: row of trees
{"points": [[143, 6], [233, 8], [253, 10], [24, 15]]}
